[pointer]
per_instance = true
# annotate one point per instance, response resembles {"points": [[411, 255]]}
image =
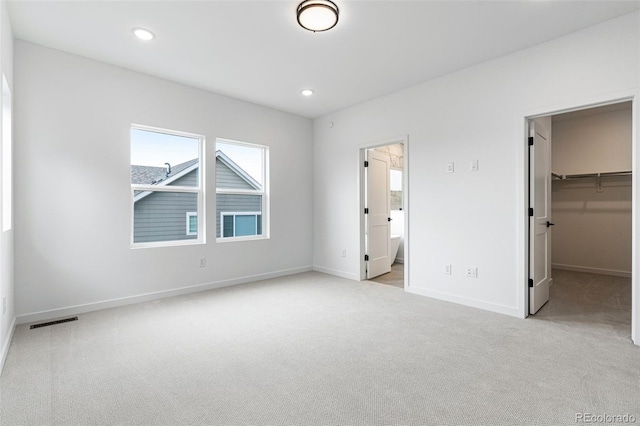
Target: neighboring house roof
{"points": [[150, 175]]}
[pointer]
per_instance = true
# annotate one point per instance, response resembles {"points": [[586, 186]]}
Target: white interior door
{"points": [[540, 218], [378, 216]]}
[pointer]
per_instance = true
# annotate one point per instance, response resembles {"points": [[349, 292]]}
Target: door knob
{"points": [[549, 224], [389, 219]]}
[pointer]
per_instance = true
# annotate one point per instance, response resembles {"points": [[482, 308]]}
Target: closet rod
{"points": [[590, 175]]}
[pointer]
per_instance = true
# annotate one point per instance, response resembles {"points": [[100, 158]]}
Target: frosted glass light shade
{"points": [[317, 15]]}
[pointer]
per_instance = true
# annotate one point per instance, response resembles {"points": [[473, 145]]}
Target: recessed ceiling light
{"points": [[143, 34], [307, 92]]}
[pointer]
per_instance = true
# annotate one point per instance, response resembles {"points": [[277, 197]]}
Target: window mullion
{"points": [[167, 188]]}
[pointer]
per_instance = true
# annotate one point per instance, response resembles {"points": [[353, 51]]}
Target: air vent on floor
{"points": [[60, 321]]}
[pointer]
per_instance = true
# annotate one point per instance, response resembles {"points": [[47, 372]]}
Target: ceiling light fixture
{"points": [[143, 34], [307, 92], [317, 15]]}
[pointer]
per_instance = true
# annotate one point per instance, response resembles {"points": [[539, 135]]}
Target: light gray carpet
{"points": [[312, 349], [589, 302]]}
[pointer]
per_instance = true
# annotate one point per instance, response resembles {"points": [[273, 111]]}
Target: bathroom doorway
{"points": [[384, 212]]}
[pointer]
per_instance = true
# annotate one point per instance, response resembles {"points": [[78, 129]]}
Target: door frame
{"points": [[403, 139], [523, 193]]}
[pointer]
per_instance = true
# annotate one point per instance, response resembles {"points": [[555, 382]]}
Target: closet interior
{"points": [[591, 167]]}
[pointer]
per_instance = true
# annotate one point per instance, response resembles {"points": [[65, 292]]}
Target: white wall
{"points": [[7, 320], [466, 218], [593, 229], [72, 185]]}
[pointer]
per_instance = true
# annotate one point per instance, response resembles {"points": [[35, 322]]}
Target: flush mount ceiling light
{"points": [[143, 34], [317, 15], [307, 92]]}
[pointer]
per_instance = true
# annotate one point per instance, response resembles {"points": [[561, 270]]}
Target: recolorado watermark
{"points": [[605, 418]]}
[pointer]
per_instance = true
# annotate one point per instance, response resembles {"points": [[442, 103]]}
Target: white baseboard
{"points": [[6, 344], [337, 273], [487, 306], [589, 270], [113, 303], [399, 260]]}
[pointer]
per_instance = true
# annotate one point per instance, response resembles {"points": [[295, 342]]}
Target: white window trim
{"points": [[266, 229], [200, 190], [189, 216]]}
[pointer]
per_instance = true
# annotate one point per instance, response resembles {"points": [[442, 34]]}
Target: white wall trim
{"points": [[6, 344], [336, 273], [114, 303], [474, 303], [613, 272]]}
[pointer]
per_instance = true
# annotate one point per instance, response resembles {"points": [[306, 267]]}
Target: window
{"points": [[166, 187], [241, 191], [192, 223], [7, 161], [241, 224], [396, 189]]}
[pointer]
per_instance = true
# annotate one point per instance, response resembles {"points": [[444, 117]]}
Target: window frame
{"points": [[264, 193], [199, 190]]}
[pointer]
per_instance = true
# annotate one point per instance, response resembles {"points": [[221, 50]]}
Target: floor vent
{"points": [[60, 321]]}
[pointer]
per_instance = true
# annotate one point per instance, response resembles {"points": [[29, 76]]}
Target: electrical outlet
{"points": [[4, 305], [450, 167], [471, 272], [203, 262], [343, 253], [447, 269]]}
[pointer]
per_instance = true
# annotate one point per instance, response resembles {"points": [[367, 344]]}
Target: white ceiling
{"points": [[255, 51]]}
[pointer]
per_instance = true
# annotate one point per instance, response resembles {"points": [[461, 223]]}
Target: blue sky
{"points": [[154, 149]]}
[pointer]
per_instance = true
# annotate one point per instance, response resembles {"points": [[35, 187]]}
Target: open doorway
{"points": [[583, 247], [384, 203]]}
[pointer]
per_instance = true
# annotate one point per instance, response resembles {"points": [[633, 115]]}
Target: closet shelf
{"points": [[557, 176]]}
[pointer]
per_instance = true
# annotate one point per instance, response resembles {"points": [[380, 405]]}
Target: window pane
{"points": [[228, 226], [163, 159], [160, 216], [239, 166], [245, 225], [396, 189], [235, 204], [193, 224], [395, 179], [7, 159]]}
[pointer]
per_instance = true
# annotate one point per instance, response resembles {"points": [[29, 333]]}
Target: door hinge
{"points": [[366, 257], [366, 164], [530, 211], [530, 282], [366, 210], [530, 140]]}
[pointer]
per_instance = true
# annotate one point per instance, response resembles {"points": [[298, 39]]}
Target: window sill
{"points": [[177, 243], [247, 238]]}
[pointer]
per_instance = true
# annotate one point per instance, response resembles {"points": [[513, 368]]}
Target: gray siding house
{"points": [[171, 216]]}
